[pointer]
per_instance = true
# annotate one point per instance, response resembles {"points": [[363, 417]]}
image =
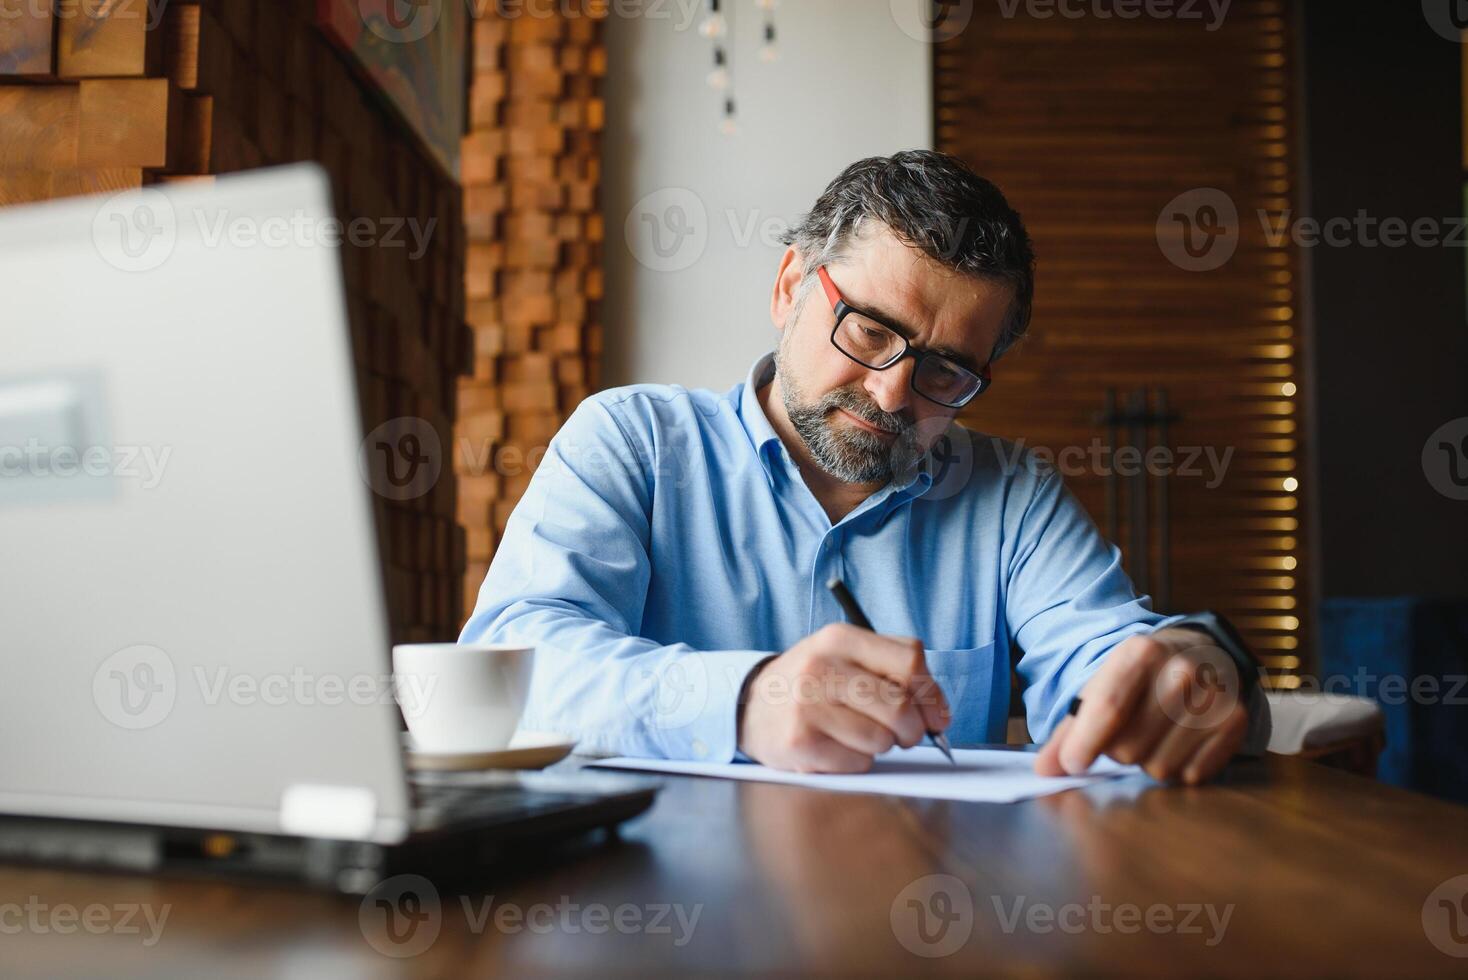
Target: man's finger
{"points": [[1109, 700], [1175, 748], [902, 660], [883, 701], [1047, 760], [1152, 718], [825, 754], [854, 730], [1216, 750]]}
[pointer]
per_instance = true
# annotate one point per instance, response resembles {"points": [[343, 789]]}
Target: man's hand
{"points": [[1169, 701], [837, 698]]}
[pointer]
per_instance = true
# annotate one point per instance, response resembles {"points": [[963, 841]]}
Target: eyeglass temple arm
{"points": [[832, 293]]}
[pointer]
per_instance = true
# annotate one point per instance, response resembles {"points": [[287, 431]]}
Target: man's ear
{"points": [[787, 284]]}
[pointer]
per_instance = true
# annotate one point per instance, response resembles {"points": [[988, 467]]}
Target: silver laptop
{"points": [[195, 647]]}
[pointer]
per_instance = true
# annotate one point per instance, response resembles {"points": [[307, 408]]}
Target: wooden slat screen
{"points": [[1091, 125]]}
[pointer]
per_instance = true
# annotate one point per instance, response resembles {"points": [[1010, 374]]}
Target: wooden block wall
{"points": [[100, 104], [532, 165]]}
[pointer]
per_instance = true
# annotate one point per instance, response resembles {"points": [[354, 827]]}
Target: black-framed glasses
{"points": [[872, 344]]}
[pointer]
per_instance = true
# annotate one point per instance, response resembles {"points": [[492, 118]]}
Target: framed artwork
{"points": [[416, 53]]}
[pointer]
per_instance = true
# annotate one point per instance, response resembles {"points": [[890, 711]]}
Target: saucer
{"points": [[527, 750]]}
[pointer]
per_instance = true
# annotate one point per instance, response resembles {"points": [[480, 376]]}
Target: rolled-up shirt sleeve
{"points": [[1067, 600], [570, 577]]}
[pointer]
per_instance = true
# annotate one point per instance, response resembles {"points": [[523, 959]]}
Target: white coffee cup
{"points": [[461, 697]]}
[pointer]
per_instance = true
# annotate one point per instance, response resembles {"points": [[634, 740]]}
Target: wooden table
{"points": [[1319, 874]]}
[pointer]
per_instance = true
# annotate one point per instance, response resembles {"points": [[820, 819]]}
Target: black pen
{"points": [[858, 618]]}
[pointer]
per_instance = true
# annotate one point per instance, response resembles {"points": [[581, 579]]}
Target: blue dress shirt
{"points": [[667, 544]]}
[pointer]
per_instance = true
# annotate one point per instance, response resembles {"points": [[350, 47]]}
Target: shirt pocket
{"points": [[980, 705]]}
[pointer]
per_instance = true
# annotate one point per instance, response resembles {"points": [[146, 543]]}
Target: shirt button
{"points": [[699, 748]]}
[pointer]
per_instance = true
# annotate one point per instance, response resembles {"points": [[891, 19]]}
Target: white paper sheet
{"points": [[981, 776]]}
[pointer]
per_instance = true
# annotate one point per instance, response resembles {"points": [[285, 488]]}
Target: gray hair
{"points": [[933, 202]]}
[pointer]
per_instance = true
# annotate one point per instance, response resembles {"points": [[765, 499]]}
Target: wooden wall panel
{"points": [[27, 40], [1091, 126], [533, 278], [106, 40]]}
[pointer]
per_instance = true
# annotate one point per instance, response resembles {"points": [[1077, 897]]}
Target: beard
{"points": [[846, 452]]}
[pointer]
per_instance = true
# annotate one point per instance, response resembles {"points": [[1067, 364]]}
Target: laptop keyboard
{"points": [[444, 804]]}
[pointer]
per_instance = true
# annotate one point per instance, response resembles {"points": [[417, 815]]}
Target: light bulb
{"points": [[729, 127], [768, 53], [719, 79], [713, 25]]}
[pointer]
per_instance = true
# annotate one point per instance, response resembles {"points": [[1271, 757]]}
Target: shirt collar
{"points": [[772, 451]]}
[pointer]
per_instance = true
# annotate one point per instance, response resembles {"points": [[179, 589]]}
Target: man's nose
{"points": [[892, 389]]}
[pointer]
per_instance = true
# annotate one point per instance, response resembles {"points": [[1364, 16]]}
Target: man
{"points": [[670, 558]]}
